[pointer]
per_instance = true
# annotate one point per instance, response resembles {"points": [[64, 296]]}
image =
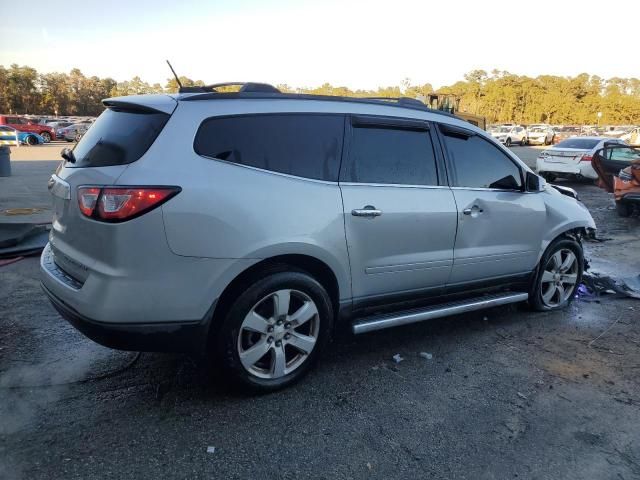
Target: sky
{"points": [[358, 44]]}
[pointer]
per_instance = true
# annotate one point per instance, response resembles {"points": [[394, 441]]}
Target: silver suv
{"points": [[248, 225]]}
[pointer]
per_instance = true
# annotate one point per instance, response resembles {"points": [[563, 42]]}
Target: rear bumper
{"points": [[583, 169], [185, 337]]}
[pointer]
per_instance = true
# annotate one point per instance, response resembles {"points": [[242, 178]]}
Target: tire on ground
{"points": [[227, 341], [536, 300]]}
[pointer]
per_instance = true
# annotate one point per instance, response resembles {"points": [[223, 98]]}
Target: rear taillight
{"points": [[586, 158], [118, 204], [87, 199]]}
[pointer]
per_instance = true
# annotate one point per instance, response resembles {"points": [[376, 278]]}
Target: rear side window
{"points": [[479, 164], [118, 137], [304, 145], [387, 155]]}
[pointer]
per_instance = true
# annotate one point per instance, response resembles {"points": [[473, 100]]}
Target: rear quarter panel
{"points": [[227, 211]]}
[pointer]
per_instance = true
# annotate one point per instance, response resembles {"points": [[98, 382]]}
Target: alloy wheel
{"points": [[46, 137], [278, 334], [559, 277]]}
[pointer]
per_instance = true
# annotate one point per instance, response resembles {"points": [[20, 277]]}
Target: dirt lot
{"points": [[508, 394]]}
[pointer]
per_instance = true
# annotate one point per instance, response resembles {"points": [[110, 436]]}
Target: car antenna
{"points": [[174, 74]]}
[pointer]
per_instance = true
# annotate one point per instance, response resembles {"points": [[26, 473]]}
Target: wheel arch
{"points": [[311, 265], [576, 233]]}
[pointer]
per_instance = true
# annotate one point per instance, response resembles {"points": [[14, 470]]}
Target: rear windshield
{"points": [[118, 137], [582, 143]]}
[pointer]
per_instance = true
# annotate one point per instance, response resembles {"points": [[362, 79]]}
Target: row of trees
{"points": [[499, 95]]}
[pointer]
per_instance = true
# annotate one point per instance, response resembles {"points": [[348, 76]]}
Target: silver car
{"points": [[249, 225]]}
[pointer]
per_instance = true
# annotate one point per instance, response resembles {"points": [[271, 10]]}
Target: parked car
{"points": [[565, 132], [23, 125], [58, 124], [290, 215], [616, 131], [510, 135], [73, 132], [8, 137], [572, 157], [618, 169], [632, 137], [540, 134]]}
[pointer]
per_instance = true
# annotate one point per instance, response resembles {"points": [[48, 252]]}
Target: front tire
{"points": [[548, 176], [46, 137], [508, 142], [275, 331], [31, 140], [558, 276]]}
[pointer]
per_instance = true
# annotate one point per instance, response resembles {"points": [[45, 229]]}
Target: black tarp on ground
{"points": [[22, 239]]}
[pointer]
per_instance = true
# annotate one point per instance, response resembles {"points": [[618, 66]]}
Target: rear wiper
{"points": [[68, 155]]}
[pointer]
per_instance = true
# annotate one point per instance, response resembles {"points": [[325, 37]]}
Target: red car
{"points": [[24, 125]]}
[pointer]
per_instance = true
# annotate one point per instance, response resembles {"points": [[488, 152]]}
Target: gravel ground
{"points": [[508, 393]]}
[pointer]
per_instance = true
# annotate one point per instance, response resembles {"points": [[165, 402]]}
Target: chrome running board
{"points": [[379, 322]]}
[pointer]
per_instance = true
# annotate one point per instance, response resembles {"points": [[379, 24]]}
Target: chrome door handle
{"points": [[474, 211], [368, 211]]}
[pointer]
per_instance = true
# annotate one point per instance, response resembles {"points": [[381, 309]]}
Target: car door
{"points": [[400, 217], [609, 160], [500, 225]]}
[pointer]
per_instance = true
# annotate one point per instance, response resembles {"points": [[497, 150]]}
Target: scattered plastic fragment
{"points": [[397, 358], [211, 449], [426, 355], [522, 395], [595, 285], [485, 319]]}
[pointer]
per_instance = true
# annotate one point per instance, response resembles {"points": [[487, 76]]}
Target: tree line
{"points": [[499, 96]]}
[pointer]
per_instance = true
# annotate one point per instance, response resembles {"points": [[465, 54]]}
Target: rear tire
{"points": [[558, 275], [259, 345], [508, 142], [31, 140], [46, 137], [523, 142], [623, 209], [548, 176]]}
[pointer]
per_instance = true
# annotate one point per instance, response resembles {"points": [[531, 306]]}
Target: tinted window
{"points": [[304, 145], [392, 156], [479, 164], [118, 137], [582, 143]]}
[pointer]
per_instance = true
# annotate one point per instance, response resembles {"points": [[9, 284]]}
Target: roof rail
{"points": [[404, 101], [209, 93], [250, 87]]}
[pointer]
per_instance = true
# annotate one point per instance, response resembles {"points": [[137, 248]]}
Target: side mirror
{"points": [[532, 182]]}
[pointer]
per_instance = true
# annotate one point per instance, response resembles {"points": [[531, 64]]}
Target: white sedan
{"points": [[571, 158]]}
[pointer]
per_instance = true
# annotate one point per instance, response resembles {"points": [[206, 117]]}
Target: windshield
{"points": [[504, 129], [537, 129], [580, 143]]}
